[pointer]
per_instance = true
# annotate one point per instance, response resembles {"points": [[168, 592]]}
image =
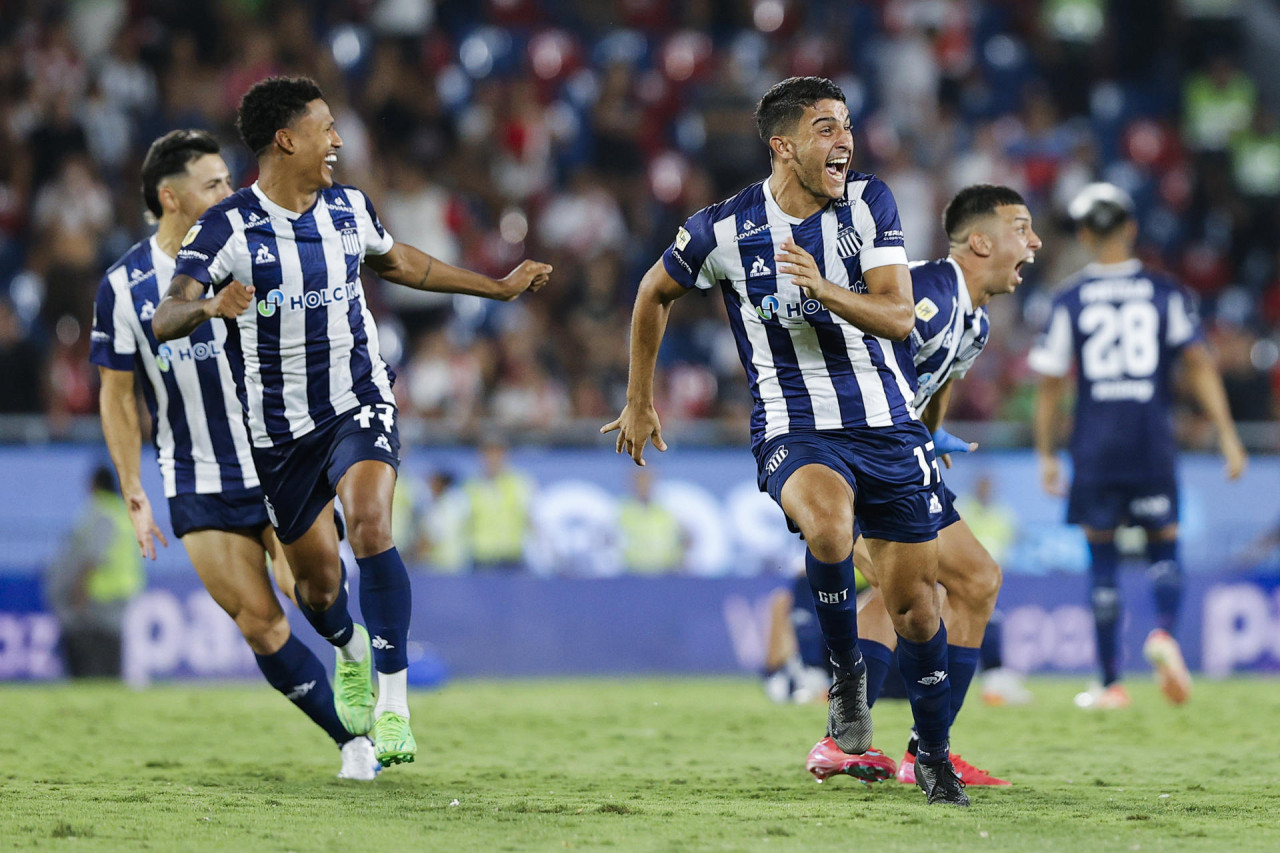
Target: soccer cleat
{"points": [[907, 769], [848, 717], [971, 775], [1110, 699], [393, 739], [826, 760], [1002, 686], [941, 784], [1162, 652], [358, 760], [353, 689]]}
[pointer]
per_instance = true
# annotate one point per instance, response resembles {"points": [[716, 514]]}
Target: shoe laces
{"points": [[961, 767]]}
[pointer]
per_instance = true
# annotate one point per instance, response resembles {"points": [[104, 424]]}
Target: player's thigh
{"points": [[233, 568], [820, 502], [966, 569], [281, 571], [313, 557], [862, 561]]}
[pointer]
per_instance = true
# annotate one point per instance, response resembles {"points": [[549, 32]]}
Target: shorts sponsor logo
{"points": [[1151, 506], [776, 459], [383, 444], [935, 505]]}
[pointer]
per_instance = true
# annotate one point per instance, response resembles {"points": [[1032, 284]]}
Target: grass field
{"points": [[681, 765]]}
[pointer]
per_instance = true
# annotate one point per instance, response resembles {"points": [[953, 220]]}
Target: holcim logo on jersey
{"points": [[311, 299], [166, 355], [771, 306]]}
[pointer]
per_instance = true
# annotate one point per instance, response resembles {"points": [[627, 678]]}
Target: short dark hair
{"points": [[974, 202], [169, 156], [271, 104], [787, 100]]}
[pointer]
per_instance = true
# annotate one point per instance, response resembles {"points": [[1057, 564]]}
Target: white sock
{"points": [[393, 694], [355, 649]]}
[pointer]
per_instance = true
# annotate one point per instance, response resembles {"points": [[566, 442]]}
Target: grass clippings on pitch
{"points": [[672, 765]]}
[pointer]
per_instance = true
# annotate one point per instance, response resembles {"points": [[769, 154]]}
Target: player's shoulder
{"points": [[865, 186], [343, 195], [746, 208], [241, 200], [934, 288], [744, 201], [136, 263]]}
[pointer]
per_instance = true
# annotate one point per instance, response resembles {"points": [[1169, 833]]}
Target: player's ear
{"points": [[979, 243], [168, 198], [284, 140], [782, 147]]}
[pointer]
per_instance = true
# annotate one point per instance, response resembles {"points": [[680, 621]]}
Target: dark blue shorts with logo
{"points": [[301, 477], [1104, 506], [237, 509], [892, 470]]}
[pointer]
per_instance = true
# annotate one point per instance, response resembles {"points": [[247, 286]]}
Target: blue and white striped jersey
{"points": [[1123, 325], [306, 351], [950, 333], [200, 437], [808, 368]]}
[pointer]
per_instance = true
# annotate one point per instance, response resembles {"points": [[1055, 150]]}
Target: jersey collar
{"points": [[966, 301], [276, 210], [1125, 268], [160, 262], [773, 209]]}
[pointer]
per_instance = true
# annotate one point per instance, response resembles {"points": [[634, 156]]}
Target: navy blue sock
{"points": [[299, 675], [386, 605], [924, 668], [1105, 598], [1166, 582], [835, 600], [993, 642], [879, 658], [334, 624], [963, 662]]}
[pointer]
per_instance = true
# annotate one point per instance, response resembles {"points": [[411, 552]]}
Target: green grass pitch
{"points": [[621, 765]]}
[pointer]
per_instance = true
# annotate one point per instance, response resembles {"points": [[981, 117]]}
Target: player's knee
{"points": [[987, 580], [318, 594], [916, 615], [828, 535], [264, 631], [369, 532]]}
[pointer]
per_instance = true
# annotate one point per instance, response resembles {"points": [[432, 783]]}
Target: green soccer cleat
{"points": [[393, 739], [353, 689]]}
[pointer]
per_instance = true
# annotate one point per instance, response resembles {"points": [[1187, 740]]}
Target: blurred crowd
{"points": [[583, 132]]}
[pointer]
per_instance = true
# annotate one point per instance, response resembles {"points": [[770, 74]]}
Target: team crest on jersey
{"points": [[848, 242], [191, 235], [926, 309], [350, 241], [682, 238]]}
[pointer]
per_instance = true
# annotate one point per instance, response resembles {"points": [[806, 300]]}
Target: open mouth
{"points": [[837, 166], [1017, 268], [331, 161]]}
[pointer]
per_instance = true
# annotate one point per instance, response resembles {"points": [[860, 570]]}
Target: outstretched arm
{"points": [[638, 422], [1048, 401], [1206, 386], [184, 307], [886, 310], [119, 407], [944, 442], [411, 267]]}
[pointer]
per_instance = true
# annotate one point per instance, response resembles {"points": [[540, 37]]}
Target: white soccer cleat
{"points": [[359, 760], [1003, 686]]}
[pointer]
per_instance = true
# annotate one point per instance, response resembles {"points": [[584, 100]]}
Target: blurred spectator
{"points": [[993, 523], [445, 525], [20, 365], [1218, 103], [91, 583], [652, 540], [498, 511]]}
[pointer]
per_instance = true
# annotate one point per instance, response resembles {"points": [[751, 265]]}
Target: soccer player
{"points": [[1125, 327], [215, 502], [283, 258], [811, 266], [991, 237]]}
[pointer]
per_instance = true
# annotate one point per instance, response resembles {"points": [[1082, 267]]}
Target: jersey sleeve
{"points": [[207, 250], [112, 342], [879, 227], [1051, 354], [1183, 325], [689, 258], [376, 239]]}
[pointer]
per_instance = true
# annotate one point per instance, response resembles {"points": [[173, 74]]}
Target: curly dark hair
{"points": [[169, 156], [787, 100], [974, 202], [271, 104]]}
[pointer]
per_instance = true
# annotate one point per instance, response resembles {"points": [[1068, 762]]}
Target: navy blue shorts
{"points": [[1105, 506], [301, 478], [892, 471], [238, 509]]}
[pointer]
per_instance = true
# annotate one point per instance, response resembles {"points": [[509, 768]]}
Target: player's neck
{"points": [[169, 233], [1113, 253], [792, 196], [976, 279], [286, 190]]}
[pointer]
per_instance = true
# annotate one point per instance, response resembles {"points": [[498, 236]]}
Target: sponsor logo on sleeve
{"points": [[682, 238], [191, 235], [926, 309]]}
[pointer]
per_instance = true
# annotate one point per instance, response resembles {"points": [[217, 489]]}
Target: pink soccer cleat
{"points": [[826, 760], [968, 774], [1163, 653]]}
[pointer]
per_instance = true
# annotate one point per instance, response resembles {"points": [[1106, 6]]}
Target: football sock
{"points": [[924, 668], [334, 624], [393, 693], [963, 661], [297, 673], [879, 658], [385, 603], [993, 642], [1166, 582], [834, 600], [1106, 608]]}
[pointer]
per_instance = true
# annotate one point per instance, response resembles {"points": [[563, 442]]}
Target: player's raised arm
{"points": [[184, 308], [1206, 386], [638, 423], [411, 267], [886, 310]]}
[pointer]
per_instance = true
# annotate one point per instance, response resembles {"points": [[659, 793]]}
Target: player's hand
{"points": [[1051, 476], [144, 524], [1237, 460], [636, 426], [794, 261], [530, 276], [232, 301], [944, 444]]}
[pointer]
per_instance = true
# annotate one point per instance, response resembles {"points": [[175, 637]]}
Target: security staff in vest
{"points": [[652, 540], [91, 583], [498, 500]]}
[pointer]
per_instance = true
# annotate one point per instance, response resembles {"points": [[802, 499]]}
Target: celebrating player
{"points": [[991, 236], [1125, 326], [214, 499], [283, 258], [812, 269]]}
